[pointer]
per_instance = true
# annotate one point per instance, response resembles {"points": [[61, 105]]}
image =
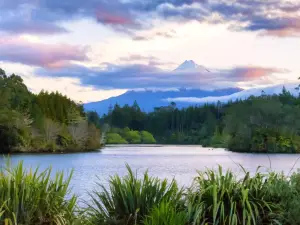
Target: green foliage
{"points": [[43, 122], [166, 214], [215, 198], [263, 124], [125, 136], [94, 118], [130, 199], [132, 136], [58, 108], [221, 198], [31, 197], [284, 192], [220, 140], [114, 138], [147, 138]]}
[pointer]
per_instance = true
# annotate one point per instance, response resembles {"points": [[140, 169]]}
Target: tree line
{"points": [[257, 124], [42, 122]]}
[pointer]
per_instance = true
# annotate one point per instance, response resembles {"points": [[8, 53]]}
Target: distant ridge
{"points": [[148, 99]]}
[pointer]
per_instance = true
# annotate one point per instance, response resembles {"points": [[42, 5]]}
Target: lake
{"points": [[168, 161]]}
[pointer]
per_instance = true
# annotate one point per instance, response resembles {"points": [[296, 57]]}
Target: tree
{"points": [[93, 118], [79, 132], [2, 74], [51, 130]]}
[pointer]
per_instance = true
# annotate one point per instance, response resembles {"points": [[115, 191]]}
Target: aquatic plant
{"points": [[217, 197], [32, 197], [166, 213], [221, 198], [129, 199]]}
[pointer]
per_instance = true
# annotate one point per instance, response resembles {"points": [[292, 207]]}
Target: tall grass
{"points": [[32, 197], [220, 198], [129, 199], [166, 213]]}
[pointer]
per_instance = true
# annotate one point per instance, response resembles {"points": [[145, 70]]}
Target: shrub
{"points": [[285, 192], [114, 138], [147, 138], [133, 137]]}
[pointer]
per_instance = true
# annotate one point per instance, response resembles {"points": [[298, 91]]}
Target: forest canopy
{"points": [[42, 122]]}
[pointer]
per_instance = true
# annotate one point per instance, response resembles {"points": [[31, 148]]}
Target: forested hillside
{"points": [[42, 123], [258, 124]]}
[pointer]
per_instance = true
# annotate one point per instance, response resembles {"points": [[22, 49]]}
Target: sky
{"points": [[95, 49]]}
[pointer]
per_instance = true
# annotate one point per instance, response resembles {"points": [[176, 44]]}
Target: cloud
{"points": [[136, 57], [149, 60], [269, 17], [253, 73], [21, 17], [23, 27], [146, 76], [146, 37], [19, 50], [269, 90]]}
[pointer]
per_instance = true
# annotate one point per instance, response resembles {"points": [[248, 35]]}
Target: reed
{"points": [[217, 197], [166, 213], [129, 199], [32, 197]]}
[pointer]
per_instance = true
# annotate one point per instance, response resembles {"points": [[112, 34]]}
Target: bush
{"points": [[129, 199], [285, 192], [147, 138], [114, 138], [133, 137], [31, 197], [220, 140]]}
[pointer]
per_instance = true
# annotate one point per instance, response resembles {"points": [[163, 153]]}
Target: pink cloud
{"points": [[255, 73], [113, 19], [286, 32], [20, 50]]}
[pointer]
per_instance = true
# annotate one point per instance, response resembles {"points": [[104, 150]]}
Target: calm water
{"points": [[181, 162]]}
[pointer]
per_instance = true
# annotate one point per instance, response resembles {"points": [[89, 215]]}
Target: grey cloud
{"points": [[147, 76], [132, 15]]}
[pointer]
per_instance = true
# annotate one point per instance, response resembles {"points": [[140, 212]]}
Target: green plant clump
{"points": [[32, 197], [214, 198], [130, 199]]}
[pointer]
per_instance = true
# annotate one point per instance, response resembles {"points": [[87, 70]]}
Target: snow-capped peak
{"points": [[190, 66]]}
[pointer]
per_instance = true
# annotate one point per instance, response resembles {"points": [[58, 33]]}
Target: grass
{"points": [[221, 198], [34, 197], [166, 213], [129, 199], [31, 197]]}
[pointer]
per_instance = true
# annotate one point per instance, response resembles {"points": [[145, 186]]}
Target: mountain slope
{"points": [[149, 99], [277, 89], [190, 66]]}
